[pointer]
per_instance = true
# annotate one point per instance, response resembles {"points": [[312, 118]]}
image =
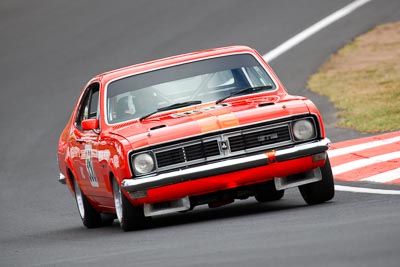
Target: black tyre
{"points": [[267, 192], [90, 217], [320, 191], [129, 216]]}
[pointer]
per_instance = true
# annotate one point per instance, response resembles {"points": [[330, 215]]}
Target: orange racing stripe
{"points": [[222, 118]]}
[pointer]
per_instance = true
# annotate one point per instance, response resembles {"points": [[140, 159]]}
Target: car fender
{"points": [[314, 110], [119, 158]]}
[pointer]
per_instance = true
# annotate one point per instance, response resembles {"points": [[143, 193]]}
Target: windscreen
{"points": [[205, 80]]}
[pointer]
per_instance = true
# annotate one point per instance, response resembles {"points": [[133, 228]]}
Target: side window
{"points": [[89, 106], [93, 105]]}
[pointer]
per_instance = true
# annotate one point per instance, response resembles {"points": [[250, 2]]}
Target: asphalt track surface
{"points": [[49, 49]]}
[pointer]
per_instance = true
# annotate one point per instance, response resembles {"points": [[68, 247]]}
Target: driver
{"points": [[145, 101]]}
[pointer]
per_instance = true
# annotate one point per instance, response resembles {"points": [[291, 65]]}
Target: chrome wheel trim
{"points": [[117, 200], [79, 200]]}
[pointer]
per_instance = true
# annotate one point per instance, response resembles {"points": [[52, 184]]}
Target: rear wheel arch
{"points": [[90, 217], [70, 179]]}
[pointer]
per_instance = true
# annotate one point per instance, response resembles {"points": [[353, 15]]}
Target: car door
{"points": [[86, 142]]}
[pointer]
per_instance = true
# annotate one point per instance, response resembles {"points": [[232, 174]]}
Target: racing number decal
{"points": [[89, 166]]}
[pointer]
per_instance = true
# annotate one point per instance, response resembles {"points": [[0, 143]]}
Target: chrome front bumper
{"points": [[230, 165]]}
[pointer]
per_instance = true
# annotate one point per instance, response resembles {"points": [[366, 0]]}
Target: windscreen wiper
{"points": [[170, 107], [244, 90]]}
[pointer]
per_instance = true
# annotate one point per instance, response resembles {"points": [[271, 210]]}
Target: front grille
{"points": [[235, 143], [259, 138], [170, 157], [203, 150], [199, 151]]}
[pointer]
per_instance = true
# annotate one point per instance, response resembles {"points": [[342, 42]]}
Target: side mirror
{"points": [[90, 125]]}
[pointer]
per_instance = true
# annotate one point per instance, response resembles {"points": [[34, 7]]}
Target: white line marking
{"points": [[384, 176], [366, 190], [356, 164], [350, 149], [298, 38]]}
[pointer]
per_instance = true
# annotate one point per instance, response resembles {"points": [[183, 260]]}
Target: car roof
{"points": [[171, 61]]}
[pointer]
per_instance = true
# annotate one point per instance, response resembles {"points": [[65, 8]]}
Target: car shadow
{"points": [[238, 209], [243, 210]]}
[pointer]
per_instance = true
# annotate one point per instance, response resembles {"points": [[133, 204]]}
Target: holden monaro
{"points": [[207, 127]]}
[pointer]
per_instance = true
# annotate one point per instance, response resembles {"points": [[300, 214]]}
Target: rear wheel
{"points": [[320, 191], [91, 218], [267, 192], [130, 217]]}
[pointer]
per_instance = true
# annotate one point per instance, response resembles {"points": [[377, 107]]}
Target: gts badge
{"points": [[267, 137]]}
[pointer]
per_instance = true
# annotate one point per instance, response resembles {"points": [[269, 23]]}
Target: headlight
{"points": [[143, 163], [303, 130]]}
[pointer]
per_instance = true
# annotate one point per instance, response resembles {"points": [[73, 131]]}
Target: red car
{"points": [[207, 127]]}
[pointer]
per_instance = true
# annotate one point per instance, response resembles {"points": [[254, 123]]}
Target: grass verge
{"points": [[363, 81]]}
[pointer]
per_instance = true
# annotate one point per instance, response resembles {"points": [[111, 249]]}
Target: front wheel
{"points": [[320, 191], [91, 218], [129, 216]]}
